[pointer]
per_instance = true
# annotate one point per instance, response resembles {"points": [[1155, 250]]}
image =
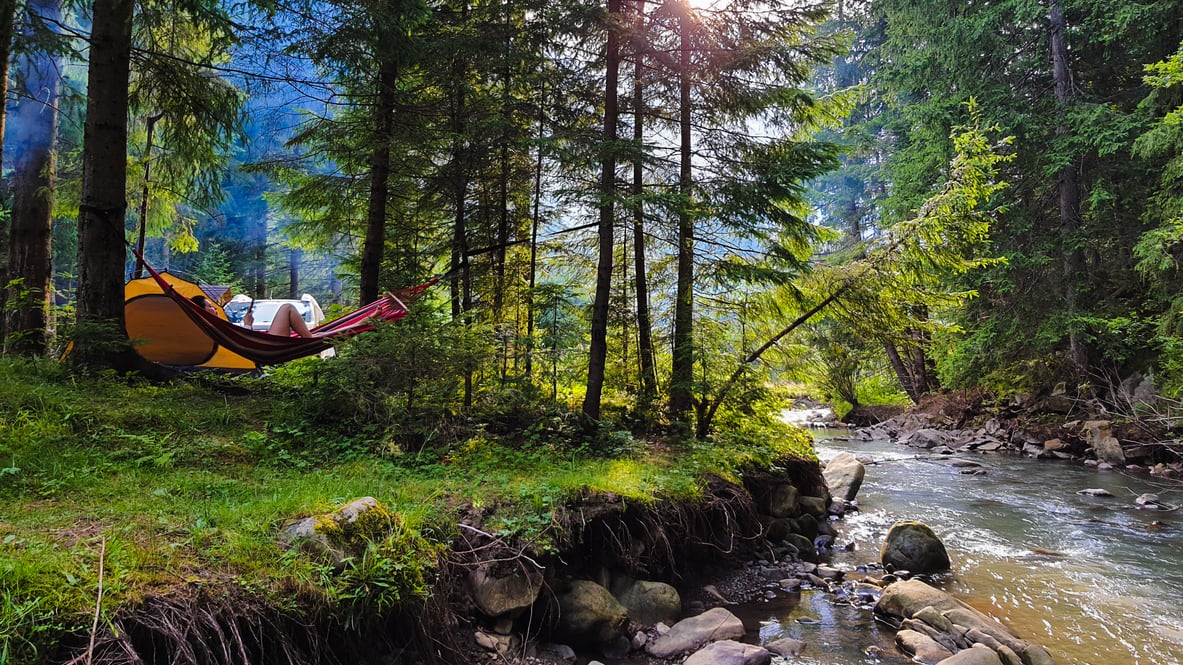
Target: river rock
{"points": [[711, 626], [966, 620], [650, 603], [554, 653], [786, 647], [730, 652], [1036, 655], [1052, 445], [504, 589], [977, 655], [914, 546], [1106, 447], [1108, 450], [942, 638], [844, 476], [924, 438], [782, 500], [921, 647], [336, 536], [588, 615], [1151, 502], [812, 505], [804, 546], [915, 600]]}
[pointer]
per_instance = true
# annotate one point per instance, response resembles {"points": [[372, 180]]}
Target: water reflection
{"points": [[830, 629]]}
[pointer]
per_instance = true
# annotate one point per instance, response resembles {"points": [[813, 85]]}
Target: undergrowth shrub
{"points": [[403, 380], [753, 434], [396, 566]]}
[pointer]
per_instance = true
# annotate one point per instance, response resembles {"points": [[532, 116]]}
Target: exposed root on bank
{"points": [[201, 629]]}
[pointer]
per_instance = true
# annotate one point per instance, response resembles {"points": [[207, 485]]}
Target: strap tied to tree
{"points": [[104, 213]]}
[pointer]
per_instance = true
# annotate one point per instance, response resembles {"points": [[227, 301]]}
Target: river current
{"points": [[1093, 579]]}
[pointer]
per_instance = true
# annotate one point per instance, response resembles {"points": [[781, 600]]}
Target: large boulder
{"points": [[782, 500], [1103, 444], [914, 599], [730, 652], [925, 438], [501, 589], [913, 546], [977, 655], [337, 536], [786, 647], [711, 626], [921, 647], [650, 603], [844, 476], [950, 622], [816, 506], [588, 615]]}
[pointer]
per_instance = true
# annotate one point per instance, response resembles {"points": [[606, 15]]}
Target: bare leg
{"points": [[287, 321]]}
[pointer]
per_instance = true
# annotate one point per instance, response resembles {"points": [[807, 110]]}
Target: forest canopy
{"points": [[645, 207]]}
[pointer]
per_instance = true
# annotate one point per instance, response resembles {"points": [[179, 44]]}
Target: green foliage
{"points": [[1169, 366], [26, 623], [95, 344], [404, 379], [396, 566], [214, 267], [922, 59], [901, 284], [752, 434], [842, 361]]}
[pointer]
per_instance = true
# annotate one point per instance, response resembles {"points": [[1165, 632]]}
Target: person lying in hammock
{"points": [[285, 322]]}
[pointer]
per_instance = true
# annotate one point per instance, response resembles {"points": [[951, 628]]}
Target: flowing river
{"points": [[1093, 579]]}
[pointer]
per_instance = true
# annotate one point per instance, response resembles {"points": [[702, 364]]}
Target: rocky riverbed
{"points": [[1050, 427], [695, 623]]}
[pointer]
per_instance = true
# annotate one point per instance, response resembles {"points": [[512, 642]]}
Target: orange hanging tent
{"points": [[164, 334], [171, 329]]}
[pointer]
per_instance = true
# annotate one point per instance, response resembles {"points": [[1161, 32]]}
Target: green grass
{"points": [[186, 486]]}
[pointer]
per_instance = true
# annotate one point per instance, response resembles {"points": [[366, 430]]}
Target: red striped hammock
{"points": [[266, 349]]}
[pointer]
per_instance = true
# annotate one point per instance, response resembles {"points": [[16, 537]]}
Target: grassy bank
{"points": [[160, 487]]}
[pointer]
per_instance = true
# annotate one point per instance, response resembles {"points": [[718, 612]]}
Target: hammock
{"points": [[266, 349]]}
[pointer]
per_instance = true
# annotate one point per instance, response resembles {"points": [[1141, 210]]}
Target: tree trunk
{"points": [[1069, 189], [461, 289], [644, 322], [34, 165], [682, 374], [907, 381], [535, 218], [598, 353], [503, 181], [101, 247], [294, 256], [142, 240], [372, 251], [7, 28]]}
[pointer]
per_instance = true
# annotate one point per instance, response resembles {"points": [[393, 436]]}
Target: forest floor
{"points": [[119, 496]]}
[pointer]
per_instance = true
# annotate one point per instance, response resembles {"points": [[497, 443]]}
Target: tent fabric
{"points": [[162, 333], [267, 349]]}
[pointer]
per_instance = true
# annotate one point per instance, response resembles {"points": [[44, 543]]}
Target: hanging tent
{"points": [[163, 333], [182, 333]]}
